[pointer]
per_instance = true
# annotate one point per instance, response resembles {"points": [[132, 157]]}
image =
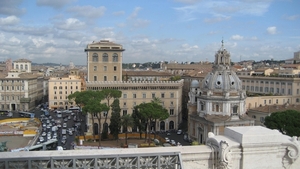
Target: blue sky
{"points": [[150, 31]]}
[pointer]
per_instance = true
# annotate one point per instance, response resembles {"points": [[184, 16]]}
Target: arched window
{"points": [[115, 57], [171, 125], [17, 66], [21, 67], [105, 57], [26, 67], [162, 126], [95, 57]]}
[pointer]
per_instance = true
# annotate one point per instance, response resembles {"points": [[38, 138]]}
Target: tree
{"points": [[175, 78], [139, 121], [126, 121], [287, 122], [108, 95], [152, 112], [91, 102], [115, 120]]}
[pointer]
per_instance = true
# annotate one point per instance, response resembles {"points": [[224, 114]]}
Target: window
{"points": [[262, 119], [254, 116], [66, 92], [115, 68], [55, 103], [115, 78], [261, 89], [153, 95], [297, 100], [60, 92], [144, 95], [95, 57], [162, 95], [276, 101], [55, 97], [60, 87], [66, 87], [105, 78], [270, 101], [105, 57], [265, 101], [172, 95], [297, 91], [134, 96], [115, 57], [104, 68], [171, 103], [95, 68], [124, 104], [171, 111], [95, 78], [124, 112], [124, 96]]}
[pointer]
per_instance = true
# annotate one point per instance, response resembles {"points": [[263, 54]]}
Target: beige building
{"points": [[135, 93], [20, 89], [59, 90], [260, 113], [104, 61]]}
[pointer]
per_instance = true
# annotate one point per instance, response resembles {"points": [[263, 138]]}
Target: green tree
{"points": [[115, 120], [126, 121], [139, 121], [109, 94], [287, 122], [152, 112], [175, 78], [91, 102]]}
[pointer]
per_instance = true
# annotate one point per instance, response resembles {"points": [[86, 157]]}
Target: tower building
{"points": [[104, 61]]}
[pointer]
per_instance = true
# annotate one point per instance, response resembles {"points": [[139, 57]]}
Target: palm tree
{"points": [[126, 121]]}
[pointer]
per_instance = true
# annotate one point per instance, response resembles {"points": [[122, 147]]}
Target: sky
{"points": [[58, 31]]}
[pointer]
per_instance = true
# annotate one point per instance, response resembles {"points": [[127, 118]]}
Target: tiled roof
{"points": [[276, 108], [146, 73]]}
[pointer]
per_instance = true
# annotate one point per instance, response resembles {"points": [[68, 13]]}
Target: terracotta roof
{"points": [[276, 108], [145, 73]]}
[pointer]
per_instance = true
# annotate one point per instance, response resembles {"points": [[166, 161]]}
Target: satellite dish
{"points": [[133, 65]]}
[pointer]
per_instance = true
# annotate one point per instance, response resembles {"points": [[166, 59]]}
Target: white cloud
{"points": [[292, 17], [38, 42], [237, 37], [119, 13], [14, 40], [50, 50], [53, 3], [88, 11], [216, 19], [272, 30], [254, 38], [71, 24], [10, 20]]}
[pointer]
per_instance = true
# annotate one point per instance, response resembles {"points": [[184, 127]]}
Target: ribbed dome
{"points": [[195, 84], [225, 80], [222, 78]]}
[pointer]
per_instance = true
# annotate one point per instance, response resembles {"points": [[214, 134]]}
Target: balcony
{"points": [[25, 100]]}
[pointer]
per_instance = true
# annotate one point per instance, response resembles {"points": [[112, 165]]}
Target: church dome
{"points": [[222, 78], [225, 80], [195, 84]]}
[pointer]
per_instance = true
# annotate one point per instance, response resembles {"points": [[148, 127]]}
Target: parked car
{"points": [[173, 143], [179, 132], [64, 125], [167, 139]]}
